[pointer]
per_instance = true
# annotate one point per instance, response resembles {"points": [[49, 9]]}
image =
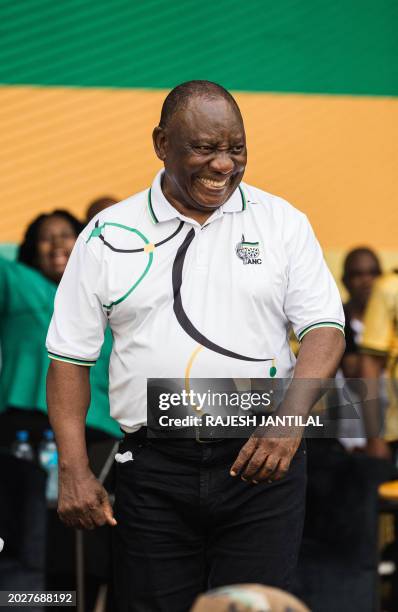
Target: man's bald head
{"points": [[201, 141], [179, 98]]}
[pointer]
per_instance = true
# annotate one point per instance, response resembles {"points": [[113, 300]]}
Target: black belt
{"points": [[141, 434]]}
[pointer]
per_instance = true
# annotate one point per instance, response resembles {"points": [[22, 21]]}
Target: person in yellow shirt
{"points": [[379, 347]]}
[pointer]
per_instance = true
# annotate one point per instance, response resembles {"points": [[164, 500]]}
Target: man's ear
{"points": [[159, 142]]}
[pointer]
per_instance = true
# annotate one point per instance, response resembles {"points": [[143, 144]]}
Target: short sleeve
{"points": [[76, 331], [378, 329], [312, 298]]}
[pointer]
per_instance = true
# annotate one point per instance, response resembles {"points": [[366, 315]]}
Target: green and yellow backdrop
{"points": [[82, 83]]}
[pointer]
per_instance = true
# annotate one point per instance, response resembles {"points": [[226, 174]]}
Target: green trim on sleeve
{"points": [[82, 362], [320, 324]]}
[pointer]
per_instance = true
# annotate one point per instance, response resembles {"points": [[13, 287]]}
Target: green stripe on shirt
{"points": [[71, 360], [320, 324]]}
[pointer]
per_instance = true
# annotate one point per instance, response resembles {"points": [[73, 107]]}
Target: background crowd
{"points": [[345, 551]]}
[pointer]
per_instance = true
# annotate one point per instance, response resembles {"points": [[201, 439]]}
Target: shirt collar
{"points": [[160, 209]]}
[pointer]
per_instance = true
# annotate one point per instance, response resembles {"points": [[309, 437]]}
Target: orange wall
{"points": [[334, 157]]}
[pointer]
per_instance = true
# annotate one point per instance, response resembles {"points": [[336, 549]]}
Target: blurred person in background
{"points": [[360, 269], [379, 348], [27, 289], [98, 205], [27, 294], [342, 486]]}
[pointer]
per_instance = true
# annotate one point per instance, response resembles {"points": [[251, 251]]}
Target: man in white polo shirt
{"points": [[200, 276]]}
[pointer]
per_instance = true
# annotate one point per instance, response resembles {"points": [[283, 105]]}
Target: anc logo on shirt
{"points": [[248, 252]]}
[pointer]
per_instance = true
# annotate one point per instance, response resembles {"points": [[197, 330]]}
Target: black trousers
{"points": [[185, 525]]}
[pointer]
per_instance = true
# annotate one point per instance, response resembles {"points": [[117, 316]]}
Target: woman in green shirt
{"points": [[27, 290]]}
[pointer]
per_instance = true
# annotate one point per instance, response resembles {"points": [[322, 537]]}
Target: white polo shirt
{"points": [[191, 301]]}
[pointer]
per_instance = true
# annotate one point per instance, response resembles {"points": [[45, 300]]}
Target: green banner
{"points": [[340, 47]]}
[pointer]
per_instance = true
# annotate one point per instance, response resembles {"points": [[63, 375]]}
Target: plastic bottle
{"points": [[48, 460], [22, 448]]}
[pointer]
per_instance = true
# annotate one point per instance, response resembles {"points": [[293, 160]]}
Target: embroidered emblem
{"points": [[248, 252]]}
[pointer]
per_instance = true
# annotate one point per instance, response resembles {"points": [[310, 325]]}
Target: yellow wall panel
{"points": [[334, 157]]}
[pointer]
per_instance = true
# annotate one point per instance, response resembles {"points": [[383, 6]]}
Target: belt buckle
{"points": [[207, 441]]}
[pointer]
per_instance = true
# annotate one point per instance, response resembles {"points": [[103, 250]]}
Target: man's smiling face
{"points": [[204, 152]]}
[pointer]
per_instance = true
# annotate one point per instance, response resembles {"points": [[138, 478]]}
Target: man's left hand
{"points": [[263, 458]]}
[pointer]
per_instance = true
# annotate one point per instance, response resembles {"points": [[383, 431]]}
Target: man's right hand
{"points": [[83, 502]]}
